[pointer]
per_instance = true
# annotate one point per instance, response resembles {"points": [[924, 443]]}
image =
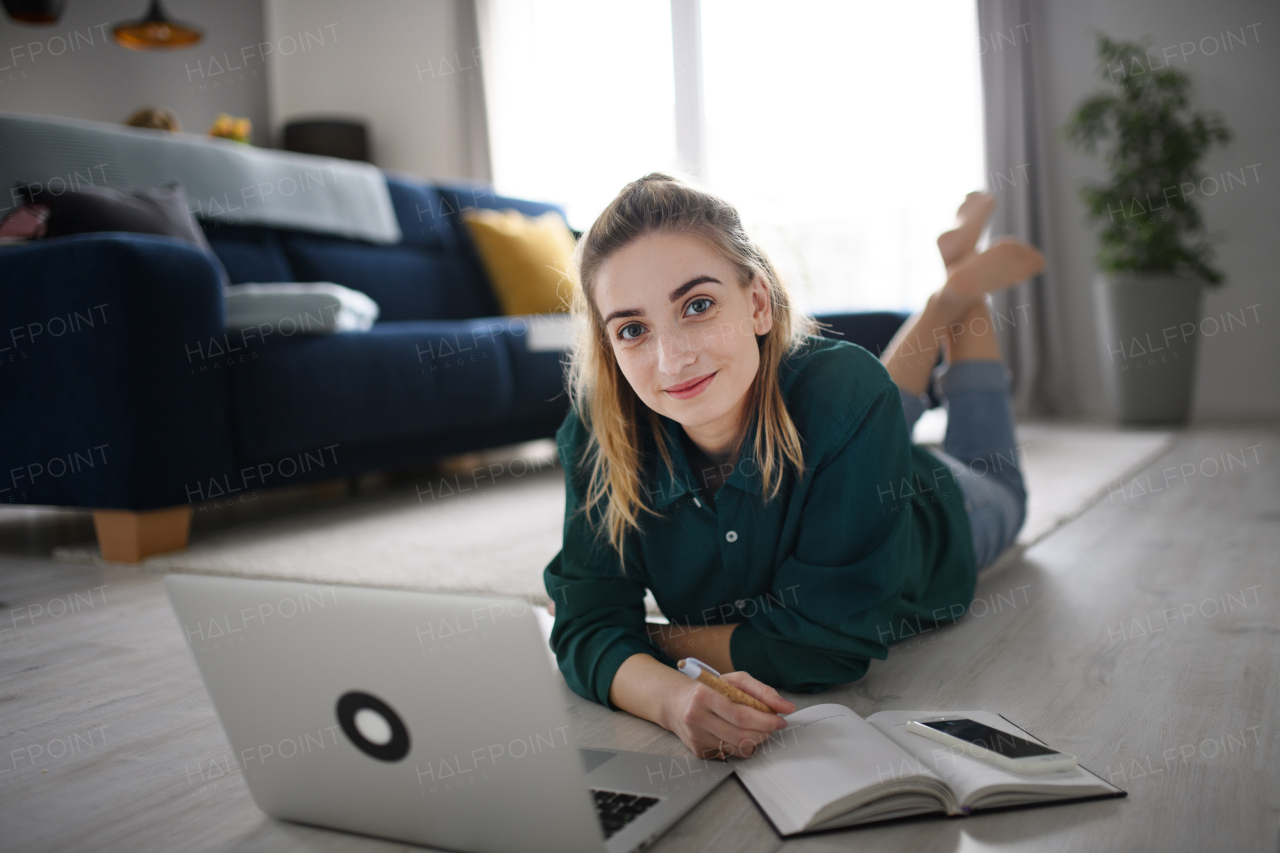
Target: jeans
{"points": [[980, 450]]}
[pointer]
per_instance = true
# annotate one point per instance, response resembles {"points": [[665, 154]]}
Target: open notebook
{"points": [[831, 768]]}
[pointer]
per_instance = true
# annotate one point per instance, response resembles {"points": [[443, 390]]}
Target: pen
{"points": [[707, 675]]}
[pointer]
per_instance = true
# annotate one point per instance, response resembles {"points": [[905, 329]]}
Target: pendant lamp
{"points": [[34, 11], [156, 32]]}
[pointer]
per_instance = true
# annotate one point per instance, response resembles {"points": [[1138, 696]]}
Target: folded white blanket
{"points": [[224, 180], [290, 308]]}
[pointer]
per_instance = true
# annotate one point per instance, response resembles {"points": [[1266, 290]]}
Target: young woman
{"points": [[759, 480]]}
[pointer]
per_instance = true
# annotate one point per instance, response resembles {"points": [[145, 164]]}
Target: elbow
{"points": [[826, 675]]}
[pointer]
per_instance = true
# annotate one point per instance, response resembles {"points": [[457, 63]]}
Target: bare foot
{"points": [[956, 244], [1007, 262]]}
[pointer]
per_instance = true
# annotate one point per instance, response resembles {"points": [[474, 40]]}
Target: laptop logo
{"points": [[373, 726]]}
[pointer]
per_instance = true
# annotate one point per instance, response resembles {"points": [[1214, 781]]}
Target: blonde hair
{"points": [[601, 395]]}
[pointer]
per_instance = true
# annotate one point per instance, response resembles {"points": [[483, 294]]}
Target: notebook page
{"points": [[973, 779], [827, 753]]}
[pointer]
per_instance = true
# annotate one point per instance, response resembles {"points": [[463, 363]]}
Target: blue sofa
{"points": [[121, 389]]}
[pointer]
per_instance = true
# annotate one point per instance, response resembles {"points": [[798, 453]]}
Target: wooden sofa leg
{"points": [[131, 537]]}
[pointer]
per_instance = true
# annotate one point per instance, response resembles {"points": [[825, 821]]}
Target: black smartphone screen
{"points": [[1010, 746]]}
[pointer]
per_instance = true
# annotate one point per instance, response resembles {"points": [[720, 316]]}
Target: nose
{"points": [[674, 353]]}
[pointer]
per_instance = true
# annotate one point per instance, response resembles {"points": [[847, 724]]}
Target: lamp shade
{"points": [[155, 32], [328, 138], [35, 11]]}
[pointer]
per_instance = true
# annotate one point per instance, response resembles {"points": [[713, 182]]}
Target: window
{"points": [[845, 133], [846, 137], [581, 98]]}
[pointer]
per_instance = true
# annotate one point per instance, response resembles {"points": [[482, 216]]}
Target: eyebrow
{"points": [[675, 294]]}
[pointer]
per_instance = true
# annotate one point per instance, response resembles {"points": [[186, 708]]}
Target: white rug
{"points": [[497, 538]]}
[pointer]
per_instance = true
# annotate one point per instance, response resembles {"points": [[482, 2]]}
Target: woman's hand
{"points": [[705, 721], [712, 726]]}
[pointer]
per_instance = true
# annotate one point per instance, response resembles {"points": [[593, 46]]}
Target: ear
{"points": [[761, 306]]}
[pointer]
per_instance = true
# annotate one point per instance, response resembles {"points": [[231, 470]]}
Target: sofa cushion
{"points": [[161, 211], [422, 213], [249, 253], [527, 258], [397, 381], [456, 197], [408, 282]]}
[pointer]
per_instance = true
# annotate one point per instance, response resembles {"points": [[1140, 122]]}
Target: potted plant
{"points": [[1154, 257]]}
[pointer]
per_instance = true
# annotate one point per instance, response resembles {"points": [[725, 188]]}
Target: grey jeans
{"points": [[981, 450]]}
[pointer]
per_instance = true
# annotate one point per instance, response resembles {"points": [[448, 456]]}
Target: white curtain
{"points": [[1011, 36], [473, 25]]}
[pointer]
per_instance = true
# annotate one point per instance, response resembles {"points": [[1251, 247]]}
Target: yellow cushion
{"points": [[527, 258]]}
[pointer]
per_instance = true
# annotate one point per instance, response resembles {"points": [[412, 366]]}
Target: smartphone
{"points": [[1009, 752]]}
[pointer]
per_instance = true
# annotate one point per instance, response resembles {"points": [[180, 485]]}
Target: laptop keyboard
{"points": [[616, 810]]}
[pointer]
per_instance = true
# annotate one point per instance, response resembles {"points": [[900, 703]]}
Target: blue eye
{"points": [[622, 332], [701, 300]]}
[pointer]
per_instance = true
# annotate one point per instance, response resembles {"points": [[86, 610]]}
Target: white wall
{"points": [[1239, 371], [95, 78], [397, 64]]}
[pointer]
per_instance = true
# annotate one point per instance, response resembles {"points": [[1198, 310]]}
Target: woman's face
{"points": [[683, 330]]}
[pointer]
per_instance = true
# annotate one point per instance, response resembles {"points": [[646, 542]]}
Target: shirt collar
{"points": [[670, 485]]}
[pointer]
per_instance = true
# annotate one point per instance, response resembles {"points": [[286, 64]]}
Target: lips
{"points": [[692, 388]]}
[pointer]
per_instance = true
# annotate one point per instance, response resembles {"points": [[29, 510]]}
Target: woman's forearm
{"points": [[643, 686], [707, 643]]}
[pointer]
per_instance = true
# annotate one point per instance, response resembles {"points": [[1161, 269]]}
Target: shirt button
{"points": [[731, 536]]}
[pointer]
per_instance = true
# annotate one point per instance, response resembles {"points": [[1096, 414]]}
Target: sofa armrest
{"points": [[101, 341]]}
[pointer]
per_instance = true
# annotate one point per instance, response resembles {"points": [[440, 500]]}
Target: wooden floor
{"points": [[1144, 637]]}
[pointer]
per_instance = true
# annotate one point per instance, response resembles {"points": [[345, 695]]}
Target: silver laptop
{"points": [[427, 718]]}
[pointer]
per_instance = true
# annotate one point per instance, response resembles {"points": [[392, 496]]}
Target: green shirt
{"points": [[870, 546]]}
